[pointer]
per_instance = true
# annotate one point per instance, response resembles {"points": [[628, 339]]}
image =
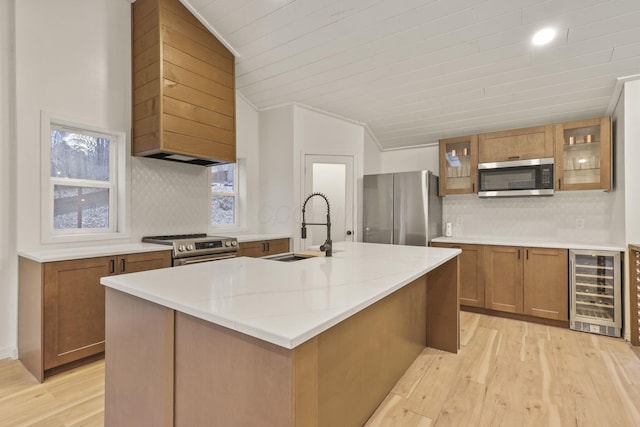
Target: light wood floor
{"points": [[508, 373]]}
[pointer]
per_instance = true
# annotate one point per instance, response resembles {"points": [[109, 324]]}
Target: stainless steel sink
{"points": [[288, 257]]}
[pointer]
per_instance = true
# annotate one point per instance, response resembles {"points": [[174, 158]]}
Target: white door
{"points": [[333, 177]]}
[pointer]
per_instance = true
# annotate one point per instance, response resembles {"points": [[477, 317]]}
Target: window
{"points": [[83, 183], [224, 195]]}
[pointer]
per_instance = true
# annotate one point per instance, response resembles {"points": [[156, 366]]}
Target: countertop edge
{"points": [[481, 240], [66, 254]]}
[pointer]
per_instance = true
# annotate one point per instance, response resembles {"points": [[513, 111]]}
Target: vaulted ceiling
{"points": [[415, 71]]}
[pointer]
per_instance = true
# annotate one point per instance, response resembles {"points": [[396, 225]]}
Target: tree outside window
{"points": [[82, 179], [224, 194]]}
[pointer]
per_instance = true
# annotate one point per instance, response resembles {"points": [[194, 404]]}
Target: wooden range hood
{"points": [[183, 87]]}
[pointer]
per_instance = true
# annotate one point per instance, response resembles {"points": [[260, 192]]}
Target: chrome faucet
{"points": [[326, 246]]}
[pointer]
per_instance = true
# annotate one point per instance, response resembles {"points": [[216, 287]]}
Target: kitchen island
{"points": [[249, 341]]}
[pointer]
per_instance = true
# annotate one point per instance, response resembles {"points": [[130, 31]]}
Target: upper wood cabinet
{"points": [[183, 87], [263, 248], [517, 144], [458, 165], [583, 154]]}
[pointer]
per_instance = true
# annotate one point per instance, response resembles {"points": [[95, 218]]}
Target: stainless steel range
{"points": [[195, 248]]}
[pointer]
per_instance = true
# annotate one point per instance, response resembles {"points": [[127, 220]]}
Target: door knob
{"points": [[349, 232]]}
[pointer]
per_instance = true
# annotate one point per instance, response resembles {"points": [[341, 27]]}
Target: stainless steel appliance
{"points": [[402, 208], [195, 248], [533, 177], [595, 292]]}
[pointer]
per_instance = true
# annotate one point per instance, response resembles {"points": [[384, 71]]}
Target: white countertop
{"points": [[285, 303], [256, 237], [65, 254], [530, 242]]}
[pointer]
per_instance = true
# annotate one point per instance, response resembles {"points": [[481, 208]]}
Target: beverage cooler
{"points": [[596, 290]]}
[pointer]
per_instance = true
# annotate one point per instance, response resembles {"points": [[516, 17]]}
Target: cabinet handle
{"points": [[514, 157], [268, 247], [122, 265], [559, 183], [518, 253], [527, 253], [473, 187], [112, 268], [264, 247]]}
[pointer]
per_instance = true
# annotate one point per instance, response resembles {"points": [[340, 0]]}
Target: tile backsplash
{"points": [[168, 198], [579, 216]]}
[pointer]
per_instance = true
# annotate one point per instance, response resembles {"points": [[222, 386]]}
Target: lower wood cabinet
{"points": [[531, 281], [262, 248], [61, 305], [472, 292], [512, 279]]}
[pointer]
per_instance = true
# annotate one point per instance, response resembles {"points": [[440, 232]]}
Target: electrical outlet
{"points": [[580, 223]]}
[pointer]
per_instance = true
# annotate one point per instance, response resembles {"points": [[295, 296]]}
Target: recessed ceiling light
{"points": [[543, 36]]}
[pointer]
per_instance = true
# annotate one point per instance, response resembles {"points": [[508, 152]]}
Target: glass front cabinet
{"points": [[595, 292], [583, 155], [458, 165]]}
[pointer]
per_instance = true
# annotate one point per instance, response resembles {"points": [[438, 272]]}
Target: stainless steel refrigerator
{"points": [[401, 208]]}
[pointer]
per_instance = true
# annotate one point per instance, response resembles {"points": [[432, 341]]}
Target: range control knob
{"points": [[227, 243], [190, 247], [234, 243], [181, 248]]}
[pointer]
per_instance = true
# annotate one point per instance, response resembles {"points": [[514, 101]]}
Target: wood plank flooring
{"points": [[508, 373]]}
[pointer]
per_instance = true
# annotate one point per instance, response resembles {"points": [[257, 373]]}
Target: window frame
{"points": [[235, 194], [117, 185]]}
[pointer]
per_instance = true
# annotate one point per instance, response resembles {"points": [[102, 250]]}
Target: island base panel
{"points": [[138, 362], [336, 378], [226, 378], [443, 308], [362, 358]]}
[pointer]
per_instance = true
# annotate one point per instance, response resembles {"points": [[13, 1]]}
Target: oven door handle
{"points": [[199, 260]]}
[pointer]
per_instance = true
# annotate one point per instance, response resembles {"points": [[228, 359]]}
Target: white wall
{"points": [[8, 258], [632, 154], [73, 62], [248, 149], [319, 133], [631, 126], [276, 168], [287, 134], [411, 159]]}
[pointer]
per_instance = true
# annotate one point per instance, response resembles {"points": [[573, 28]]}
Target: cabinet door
{"points": [[471, 273], [263, 248], [503, 280], [546, 283], [74, 309], [458, 165], [132, 263], [251, 249], [277, 246], [518, 144], [583, 155]]}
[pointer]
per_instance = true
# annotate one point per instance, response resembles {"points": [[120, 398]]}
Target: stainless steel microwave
{"points": [[532, 177]]}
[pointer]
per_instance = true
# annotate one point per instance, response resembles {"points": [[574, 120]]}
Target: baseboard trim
{"points": [[532, 319]]}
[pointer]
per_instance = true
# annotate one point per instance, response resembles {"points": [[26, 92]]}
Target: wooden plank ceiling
{"points": [[415, 71]]}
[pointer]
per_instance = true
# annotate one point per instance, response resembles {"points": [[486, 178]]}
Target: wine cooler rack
{"points": [[596, 292], [634, 291]]}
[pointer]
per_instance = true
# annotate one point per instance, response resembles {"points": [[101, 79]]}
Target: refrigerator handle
{"points": [[572, 289]]}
